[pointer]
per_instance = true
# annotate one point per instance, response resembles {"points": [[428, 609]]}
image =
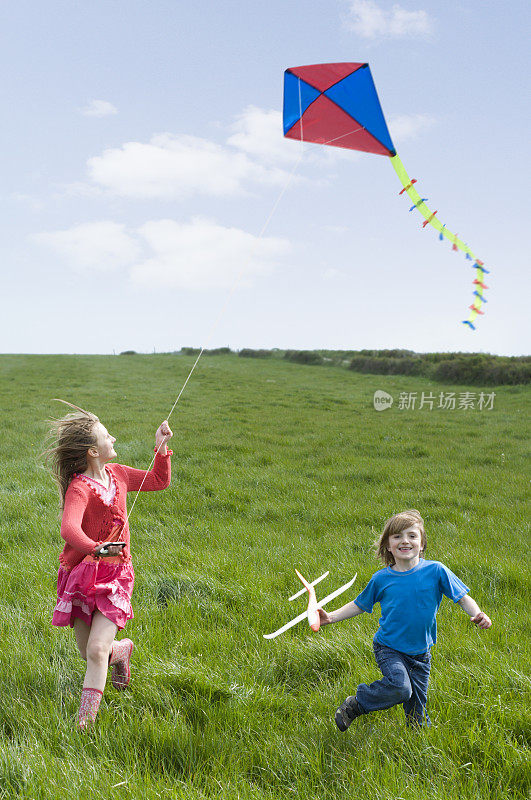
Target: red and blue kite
{"points": [[337, 104]]}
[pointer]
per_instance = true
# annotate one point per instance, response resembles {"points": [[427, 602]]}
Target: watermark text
{"points": [[445, 401]]}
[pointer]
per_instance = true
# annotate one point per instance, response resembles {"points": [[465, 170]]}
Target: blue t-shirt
{"points": [[409, 602]]}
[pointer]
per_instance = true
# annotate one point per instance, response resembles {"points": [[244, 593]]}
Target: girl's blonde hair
{"points": [[71, 437], [397, 524]]}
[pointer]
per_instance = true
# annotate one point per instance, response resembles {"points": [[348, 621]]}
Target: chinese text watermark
{"points": [[446, 401]]}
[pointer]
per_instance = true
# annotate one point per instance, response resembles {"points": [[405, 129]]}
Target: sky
{"points": [[151, 202]]}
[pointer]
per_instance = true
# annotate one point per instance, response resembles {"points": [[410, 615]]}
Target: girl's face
{"points": [[405, 546], [104, 443]]}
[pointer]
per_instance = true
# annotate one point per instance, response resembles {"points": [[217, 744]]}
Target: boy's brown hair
{"points": [[397, 524]]}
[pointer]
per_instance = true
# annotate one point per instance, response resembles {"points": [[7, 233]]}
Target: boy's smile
{"points": [[405, 548]]}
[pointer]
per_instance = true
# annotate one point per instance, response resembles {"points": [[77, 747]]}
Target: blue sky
{"points": [[142, 156]]}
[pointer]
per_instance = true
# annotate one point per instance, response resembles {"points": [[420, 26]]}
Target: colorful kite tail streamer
{"points": [[444, 233], [421, 200], [429, 219], [410, 184]]}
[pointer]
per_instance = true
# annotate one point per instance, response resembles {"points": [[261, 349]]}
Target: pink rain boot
{"points": [[88, 709], [119, 660]]}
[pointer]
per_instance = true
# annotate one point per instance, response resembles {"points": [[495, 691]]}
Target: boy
{"points": [[409, 590]]}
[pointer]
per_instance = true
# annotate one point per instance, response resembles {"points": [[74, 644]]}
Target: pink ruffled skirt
{"points": [[91, 586]]}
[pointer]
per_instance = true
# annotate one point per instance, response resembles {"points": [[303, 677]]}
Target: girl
{"points": [[96, 575], [409, 590]]}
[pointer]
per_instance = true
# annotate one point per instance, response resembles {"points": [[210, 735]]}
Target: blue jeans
{"points": [[405, 680]]}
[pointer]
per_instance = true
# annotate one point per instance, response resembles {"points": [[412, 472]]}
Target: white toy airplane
{"points": [[311, 614]]}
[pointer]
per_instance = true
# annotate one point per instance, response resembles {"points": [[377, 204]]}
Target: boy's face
{"points": [[405, 547]]}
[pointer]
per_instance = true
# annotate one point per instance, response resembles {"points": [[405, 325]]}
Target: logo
{"points": [[382, 400], [443, 401]]}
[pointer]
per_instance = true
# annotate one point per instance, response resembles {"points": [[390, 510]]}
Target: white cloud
{"points": [[175, 167], [200, 254], [258, 132], [93, 245], [197, 254], [369, 20], [407, 126], [99, 108]]}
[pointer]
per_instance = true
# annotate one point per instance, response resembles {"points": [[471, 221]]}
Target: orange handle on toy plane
{"points": [[313, 614]]}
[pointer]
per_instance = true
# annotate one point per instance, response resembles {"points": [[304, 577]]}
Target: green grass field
{"points": [[275, 466]]}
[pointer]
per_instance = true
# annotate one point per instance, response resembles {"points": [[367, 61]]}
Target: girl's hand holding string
{"points": [[111, 549], [163, 435]]}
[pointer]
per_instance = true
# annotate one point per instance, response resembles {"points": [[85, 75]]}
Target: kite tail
{"points": [[431, 219]]}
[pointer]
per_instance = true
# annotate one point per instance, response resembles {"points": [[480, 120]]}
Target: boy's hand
{"points": [[481, 620], [324, 618], [162, 435]]}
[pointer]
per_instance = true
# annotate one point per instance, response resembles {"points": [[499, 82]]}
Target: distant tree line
{"points": [[247, 353], [472, 368], [194, 351]]}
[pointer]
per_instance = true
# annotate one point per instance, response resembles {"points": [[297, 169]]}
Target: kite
{"points": [[311, 614], [337, 104]]}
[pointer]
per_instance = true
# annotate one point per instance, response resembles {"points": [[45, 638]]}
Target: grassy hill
{"points": [[275, 466]]}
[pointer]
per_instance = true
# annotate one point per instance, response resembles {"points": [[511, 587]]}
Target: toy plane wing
{"points": [[313, 583], [304, 615]]}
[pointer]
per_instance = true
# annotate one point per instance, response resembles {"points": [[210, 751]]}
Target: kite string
{"points": [[300, 117], [233, 289], [349, 133], [217, 321]]}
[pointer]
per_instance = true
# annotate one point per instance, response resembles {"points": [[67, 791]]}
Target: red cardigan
{"points": [[87, 522]]}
